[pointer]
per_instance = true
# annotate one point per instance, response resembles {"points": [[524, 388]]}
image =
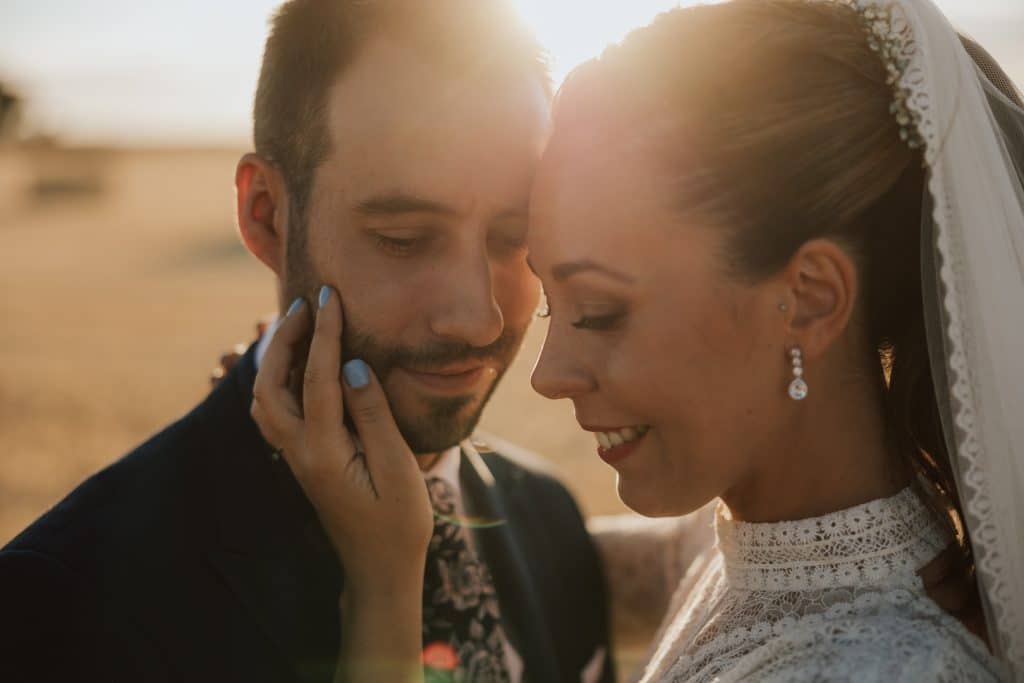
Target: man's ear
{"points": [[262, 206], [821, 285]]}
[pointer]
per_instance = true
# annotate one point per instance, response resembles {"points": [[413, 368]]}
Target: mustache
{"points": [[433, 355]]}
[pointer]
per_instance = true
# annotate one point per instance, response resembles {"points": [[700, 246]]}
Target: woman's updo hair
{"points": [[772, 120]]}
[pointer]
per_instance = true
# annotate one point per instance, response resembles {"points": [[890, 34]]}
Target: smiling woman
{"points": [[756, 170]]}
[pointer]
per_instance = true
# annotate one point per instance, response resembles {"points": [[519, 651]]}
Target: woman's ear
{"points": [[262, 207], [822, 288]]}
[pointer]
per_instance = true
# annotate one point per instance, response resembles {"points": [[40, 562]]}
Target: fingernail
{"points": [[357, 374], [296, 305], [325, 295]]}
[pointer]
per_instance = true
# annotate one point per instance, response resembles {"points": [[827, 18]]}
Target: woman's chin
{"points": [[646, 500]]}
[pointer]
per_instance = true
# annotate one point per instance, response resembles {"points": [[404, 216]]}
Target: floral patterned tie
{"points": [[462, 634]]}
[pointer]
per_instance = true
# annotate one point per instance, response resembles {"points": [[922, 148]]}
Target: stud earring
{"points": [[798, 387]]}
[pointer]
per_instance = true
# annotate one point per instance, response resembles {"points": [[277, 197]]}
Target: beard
{"points": [[432, 424], [428, 424]]}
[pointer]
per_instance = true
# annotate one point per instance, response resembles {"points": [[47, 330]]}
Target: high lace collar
{"points": [[883, 542]]}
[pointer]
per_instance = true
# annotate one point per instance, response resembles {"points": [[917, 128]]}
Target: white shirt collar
{"points": [[447, 467]]}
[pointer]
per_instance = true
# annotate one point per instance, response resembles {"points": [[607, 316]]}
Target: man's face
{"points": [[418, 219]]}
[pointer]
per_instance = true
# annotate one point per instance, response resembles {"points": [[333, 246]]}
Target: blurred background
{"points": [[122, 278]]}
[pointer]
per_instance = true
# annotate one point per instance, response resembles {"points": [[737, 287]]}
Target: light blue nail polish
{"points": [[294, 308], [325, 295], [357, 374]]}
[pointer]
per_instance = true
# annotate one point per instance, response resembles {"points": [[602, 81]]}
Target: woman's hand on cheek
{"points": [[367, 489]]}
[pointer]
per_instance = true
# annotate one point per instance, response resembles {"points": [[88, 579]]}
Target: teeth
{"points": [[609, 440]]}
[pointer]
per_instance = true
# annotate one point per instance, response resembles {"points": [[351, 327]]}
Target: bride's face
{"points": [[649, 334]]}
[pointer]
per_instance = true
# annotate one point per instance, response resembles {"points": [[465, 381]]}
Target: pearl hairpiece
{"points": [[889, 37]]}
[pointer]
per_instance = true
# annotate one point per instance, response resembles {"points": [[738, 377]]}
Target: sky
{"points": [[184, 72]]}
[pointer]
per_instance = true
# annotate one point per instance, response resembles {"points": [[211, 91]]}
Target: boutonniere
{"points": [[439, 663]]}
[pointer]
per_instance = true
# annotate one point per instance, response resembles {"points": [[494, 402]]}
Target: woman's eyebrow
{"points": [[563, 271]]}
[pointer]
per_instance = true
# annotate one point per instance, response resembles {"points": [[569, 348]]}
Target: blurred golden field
{"points": [[122, 281]]}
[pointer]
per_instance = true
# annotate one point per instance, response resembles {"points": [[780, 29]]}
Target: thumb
{"points": [[368, 407]]}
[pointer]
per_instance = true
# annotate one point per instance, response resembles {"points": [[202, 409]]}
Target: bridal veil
{"points": [[965, 114]]}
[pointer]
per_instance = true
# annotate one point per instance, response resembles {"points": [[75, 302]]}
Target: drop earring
{"points": [[798, 387]]}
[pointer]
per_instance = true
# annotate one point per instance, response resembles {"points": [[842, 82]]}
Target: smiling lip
{"points": [[616, 454], [452, 380]]}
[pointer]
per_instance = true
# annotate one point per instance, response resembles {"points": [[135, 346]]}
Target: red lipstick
{"points": [[617, 454]]}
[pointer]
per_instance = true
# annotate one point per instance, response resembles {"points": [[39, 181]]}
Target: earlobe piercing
{"points": [[798, 387]]}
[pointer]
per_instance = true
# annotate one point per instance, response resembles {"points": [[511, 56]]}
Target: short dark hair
{"points": [[312, 41]]}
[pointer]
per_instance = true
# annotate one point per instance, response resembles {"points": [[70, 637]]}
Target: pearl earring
{"points": [[798, 387]]}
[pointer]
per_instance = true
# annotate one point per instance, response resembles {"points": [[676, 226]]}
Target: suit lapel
{"points": [[272, 552], [517, 595]]}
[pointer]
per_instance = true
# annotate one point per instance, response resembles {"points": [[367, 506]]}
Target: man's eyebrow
{"points": [[563, 271], [398, 203]]}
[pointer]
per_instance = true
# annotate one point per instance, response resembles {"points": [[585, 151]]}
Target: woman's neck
{"points": [[833, 455]]}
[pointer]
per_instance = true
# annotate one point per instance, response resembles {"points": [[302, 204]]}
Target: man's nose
{"points": [[558, 373], [469, 311]]}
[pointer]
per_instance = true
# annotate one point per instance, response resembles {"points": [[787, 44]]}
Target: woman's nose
{"points": [[558, 372]]}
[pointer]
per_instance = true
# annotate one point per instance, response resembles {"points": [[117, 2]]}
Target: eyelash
{"points": [[598, 323], [592, 323], [397, 245], [403, 246]]}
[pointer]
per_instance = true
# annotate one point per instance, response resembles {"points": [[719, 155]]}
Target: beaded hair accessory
{"points": [[889, 36]]}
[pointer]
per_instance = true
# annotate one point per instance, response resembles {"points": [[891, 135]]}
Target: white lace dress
{"points": [[834, 598]]}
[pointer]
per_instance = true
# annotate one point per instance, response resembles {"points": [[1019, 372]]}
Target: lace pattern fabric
{"points": [[832, 598], [886, 540]]}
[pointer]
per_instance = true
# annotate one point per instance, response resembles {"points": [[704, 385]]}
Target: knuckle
{"points": [[312, 376], [262, 417], [326, 325], [368, 413], [260, 390]]}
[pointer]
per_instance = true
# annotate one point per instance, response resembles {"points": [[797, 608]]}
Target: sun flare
{"points": [[576, 30]]}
